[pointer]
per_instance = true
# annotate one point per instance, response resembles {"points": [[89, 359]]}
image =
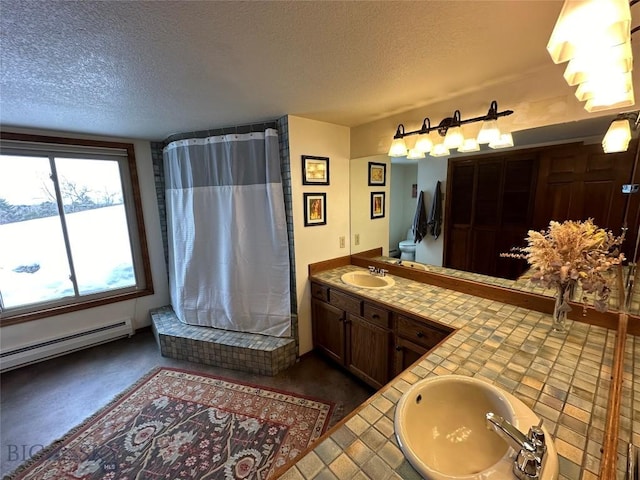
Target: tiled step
{"points": [[247, 352]]}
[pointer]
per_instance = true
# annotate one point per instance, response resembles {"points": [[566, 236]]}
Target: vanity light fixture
{"points": [[594, 37], [451, 129], [618, 135]]}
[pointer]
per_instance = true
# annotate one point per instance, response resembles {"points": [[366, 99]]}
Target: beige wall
{"points": [[13, 336], [373, 233], [322, 242]]}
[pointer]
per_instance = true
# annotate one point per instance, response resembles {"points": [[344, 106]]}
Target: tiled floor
{"points": [[40, 403]]}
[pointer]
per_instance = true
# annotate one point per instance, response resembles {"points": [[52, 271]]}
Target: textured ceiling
{"points": [[150, 69]]}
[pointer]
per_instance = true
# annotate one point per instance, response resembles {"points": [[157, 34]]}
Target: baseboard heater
{"points": [[55, 347]]}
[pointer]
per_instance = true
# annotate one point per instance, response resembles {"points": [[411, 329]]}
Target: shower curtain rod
{"points": [[237, 129]]}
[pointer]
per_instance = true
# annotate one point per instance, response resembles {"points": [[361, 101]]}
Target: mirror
{"points": [[406, 178]]}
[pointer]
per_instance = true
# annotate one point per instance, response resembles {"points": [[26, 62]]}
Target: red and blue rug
{"points": [[175, 424]]}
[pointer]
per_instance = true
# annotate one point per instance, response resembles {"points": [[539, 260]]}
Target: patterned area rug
{"points": [[175, 424]]}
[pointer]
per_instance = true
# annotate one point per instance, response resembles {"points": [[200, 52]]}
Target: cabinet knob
{"points": [[420, 334], [375, 315], [398, 348]]}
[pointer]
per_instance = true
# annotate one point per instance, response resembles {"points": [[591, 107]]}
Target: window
{"points": [[71, 228]]}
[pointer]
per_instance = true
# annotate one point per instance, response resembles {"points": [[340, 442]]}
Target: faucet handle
{"points": [[537, 440], [372, 269], [527, 465]]}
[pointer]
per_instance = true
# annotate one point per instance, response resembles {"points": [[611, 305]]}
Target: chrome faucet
{"points": [[377, 271], [531, 448]]}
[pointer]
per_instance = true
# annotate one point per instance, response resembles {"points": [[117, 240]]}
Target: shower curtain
{"points": [[227, 233]]}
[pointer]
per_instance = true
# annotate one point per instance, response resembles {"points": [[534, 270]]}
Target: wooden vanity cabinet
{"points": [[328, 330], [356, 337], [406, 354], [414, 338], [371, 341]]}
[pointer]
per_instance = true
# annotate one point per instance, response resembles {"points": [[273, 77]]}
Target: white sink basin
{"points": [[440, 424], [415, 265], [367, 280]]}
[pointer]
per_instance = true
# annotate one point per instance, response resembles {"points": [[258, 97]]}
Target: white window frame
{"points": [[37, 145]]}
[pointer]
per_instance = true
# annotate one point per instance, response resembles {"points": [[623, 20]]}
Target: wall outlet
{"points": [[356, 239], [341, 242]]}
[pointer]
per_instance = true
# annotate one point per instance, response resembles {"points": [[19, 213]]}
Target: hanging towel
{"points": [[435, 217], [420, 226]]}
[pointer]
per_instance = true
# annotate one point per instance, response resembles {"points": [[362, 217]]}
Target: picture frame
{"points": [[377, 204], [315, 209], [315, 170], [377, 174]]}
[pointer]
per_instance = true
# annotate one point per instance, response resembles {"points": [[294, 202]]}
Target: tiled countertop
{"points": [[523, 284], [563, 379]]}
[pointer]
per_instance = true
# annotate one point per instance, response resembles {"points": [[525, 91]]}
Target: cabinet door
{"points": [[407, 353], [368, 351], [328, 330]]}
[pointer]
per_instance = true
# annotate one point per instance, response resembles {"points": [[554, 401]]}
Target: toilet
{"points": [[408, 247]]}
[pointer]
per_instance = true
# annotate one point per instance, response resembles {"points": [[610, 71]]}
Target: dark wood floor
{"points": [[40, 403]]}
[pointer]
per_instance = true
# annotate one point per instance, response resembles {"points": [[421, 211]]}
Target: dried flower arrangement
{"points": [[573, 252]]}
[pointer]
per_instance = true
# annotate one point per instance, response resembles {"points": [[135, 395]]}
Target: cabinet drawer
{"points": [[345, 302], [376, 315], [419, 333], [320, 292]]}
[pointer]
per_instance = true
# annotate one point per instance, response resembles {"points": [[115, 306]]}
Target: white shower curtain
{"points": [[227, 233]]}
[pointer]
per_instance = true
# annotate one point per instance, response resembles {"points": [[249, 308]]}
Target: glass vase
{"points": [[561, 307]]}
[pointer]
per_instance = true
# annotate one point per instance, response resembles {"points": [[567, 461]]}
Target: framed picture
{"points": [[377, 204], [377, 174], [315, 170], [315, 209]]}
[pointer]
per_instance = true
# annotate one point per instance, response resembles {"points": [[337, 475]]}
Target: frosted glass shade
{"points": [[617, 137], [594, 36], [613, 60], [424, 143], [504, 141], [599, 104], [439, 150], [415, 154], [398, 148], [454, 138], [587, 24], [489, 132], [469, 145]]}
